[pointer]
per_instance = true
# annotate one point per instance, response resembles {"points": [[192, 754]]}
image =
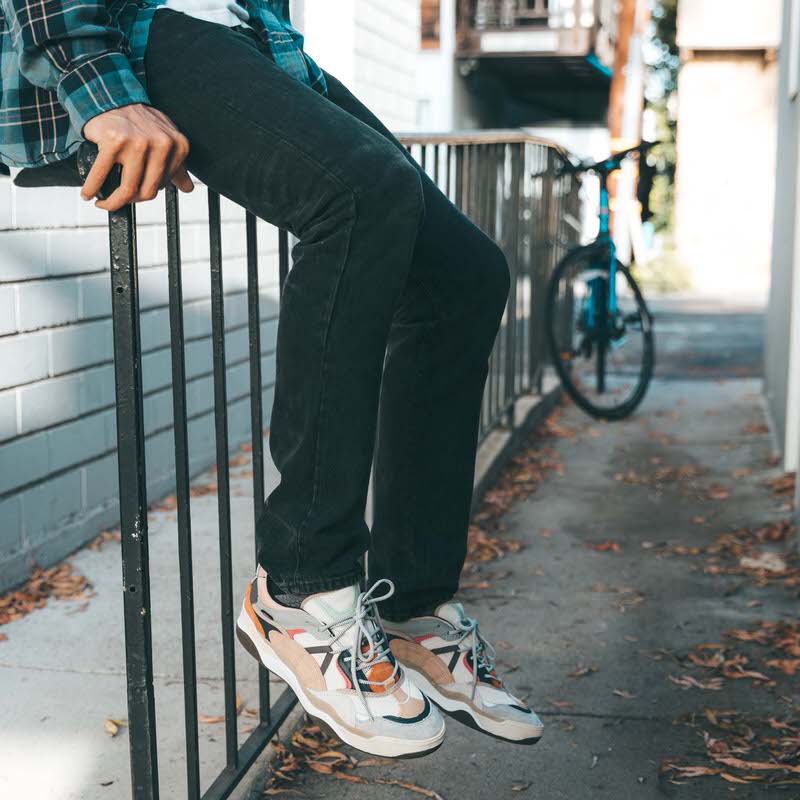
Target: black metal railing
{"points": [[509, 184]]}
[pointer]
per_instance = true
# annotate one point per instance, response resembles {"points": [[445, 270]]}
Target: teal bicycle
{"points": [[599, 329]]}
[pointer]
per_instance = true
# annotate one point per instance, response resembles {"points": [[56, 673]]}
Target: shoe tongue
{"points": [[452, 612], [329, 607]]}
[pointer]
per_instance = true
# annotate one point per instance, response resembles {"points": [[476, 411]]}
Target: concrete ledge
{"points": [[500, 444]]}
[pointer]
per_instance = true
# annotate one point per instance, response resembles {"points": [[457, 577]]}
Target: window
{"points": [[429, 24]]}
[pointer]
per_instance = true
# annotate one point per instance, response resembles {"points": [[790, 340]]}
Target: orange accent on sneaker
{"points": [[381, 671], [292, 632], [251, 612]]}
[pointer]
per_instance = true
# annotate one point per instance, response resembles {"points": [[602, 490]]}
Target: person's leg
{"points": [[436, 365], [263, 139]]}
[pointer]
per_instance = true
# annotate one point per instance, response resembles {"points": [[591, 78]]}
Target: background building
{"points": [[782, 344], [727, 96]]}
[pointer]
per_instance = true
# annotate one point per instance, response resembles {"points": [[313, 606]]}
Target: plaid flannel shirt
{"points": [[63, 62]]}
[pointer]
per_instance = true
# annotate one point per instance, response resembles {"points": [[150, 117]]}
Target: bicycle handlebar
{"points": [[608, 165]]}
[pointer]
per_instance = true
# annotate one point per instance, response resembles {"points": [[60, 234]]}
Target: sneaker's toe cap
{"points": [[521, 714], [425, 726]]}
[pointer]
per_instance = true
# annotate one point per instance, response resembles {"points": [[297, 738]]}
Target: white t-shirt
{"points": [[223, 12]]}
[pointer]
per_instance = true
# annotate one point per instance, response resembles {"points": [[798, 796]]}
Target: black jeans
{"points": [[387, 318]]}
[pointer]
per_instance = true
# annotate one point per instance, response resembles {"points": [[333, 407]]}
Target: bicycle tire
{"points": [[590, 254]]}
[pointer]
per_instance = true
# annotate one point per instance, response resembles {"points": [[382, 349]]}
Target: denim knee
{"points": [[394, 184]]}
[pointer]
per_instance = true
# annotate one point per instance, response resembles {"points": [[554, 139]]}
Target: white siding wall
{"points": [[371, 46], [386, 47], [58, 474]]}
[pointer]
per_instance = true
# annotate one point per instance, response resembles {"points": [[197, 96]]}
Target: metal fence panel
{"points": [[508, 183]]}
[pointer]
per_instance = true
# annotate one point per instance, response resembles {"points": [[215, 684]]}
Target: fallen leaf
{"points": [[410, 786], [607, 544], [580, 672], [210, 720], [786, 665], [771, 562], [348, 777]]}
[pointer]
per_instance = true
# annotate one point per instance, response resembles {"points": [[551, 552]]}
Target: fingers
{"points": [[179, 153], [103, 164], [157, 171], [133, 167], [182, 180], [146, 144]]}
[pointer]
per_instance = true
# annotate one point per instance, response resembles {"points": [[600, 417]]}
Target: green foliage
{"points": [[662, 66]]}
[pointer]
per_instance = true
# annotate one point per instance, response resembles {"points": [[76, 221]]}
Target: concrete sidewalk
{"points": [[62, 667], [598, 615], [594, 635]]}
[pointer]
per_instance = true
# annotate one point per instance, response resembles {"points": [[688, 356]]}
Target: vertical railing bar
{"points": [[519, 378], [468, 182], [182, 493], [526, 247], [458, 188], [473, 211], [515, 188], [495, 173], [436, 164], [133, 504], [451, 192], [256, 415], [488, 182], [223, 478], [541, 268]]}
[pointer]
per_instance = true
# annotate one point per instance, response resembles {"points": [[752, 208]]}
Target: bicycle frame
{"points": [[604, 237]]}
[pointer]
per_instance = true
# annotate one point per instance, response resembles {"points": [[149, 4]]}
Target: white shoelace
{"points": [[483, 654], [369, 630]]}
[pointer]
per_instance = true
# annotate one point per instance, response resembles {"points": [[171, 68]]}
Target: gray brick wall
{"points": [[58, 471]]}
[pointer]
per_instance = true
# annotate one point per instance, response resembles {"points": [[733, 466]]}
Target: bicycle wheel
{"points": [[605, 362]]}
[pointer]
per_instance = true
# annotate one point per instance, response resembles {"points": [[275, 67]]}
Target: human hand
{"points": [[148, 146]]}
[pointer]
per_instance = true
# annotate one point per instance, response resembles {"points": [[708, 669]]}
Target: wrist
{"points": [[98, 85]]}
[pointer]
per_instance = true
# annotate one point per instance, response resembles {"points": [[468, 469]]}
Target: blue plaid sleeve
{"points": [[74, 48]]}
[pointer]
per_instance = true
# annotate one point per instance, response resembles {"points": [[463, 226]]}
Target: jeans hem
{"points": [[313, 585]]}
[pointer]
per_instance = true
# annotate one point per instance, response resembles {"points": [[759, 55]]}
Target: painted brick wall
{"points": [[58, 472], [372, 47], [387, 42]]}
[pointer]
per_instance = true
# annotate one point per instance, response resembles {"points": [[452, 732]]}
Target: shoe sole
{"points": [[505, 730], [385, 746]]}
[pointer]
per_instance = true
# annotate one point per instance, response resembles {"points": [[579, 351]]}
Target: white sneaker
{"points": [[454, 665], [334, 655]]}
